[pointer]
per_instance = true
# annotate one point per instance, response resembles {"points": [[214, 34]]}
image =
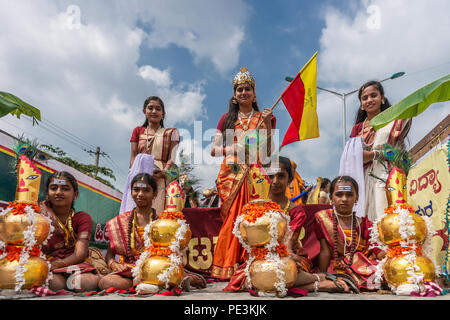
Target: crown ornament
{"points": [[243, 76]]}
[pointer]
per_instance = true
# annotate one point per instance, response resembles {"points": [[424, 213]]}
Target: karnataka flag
{"points": [[300, 99]]}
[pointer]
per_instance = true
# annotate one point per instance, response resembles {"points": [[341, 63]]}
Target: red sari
{"points": [[63, 240], [361, 268], [122, 243], [298, 217]]}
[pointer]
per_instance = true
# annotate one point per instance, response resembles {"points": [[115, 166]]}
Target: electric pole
{"points": [[97, 157]]}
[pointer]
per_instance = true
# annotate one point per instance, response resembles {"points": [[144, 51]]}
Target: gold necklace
{"points": [[286, 209], [132, 236], [68, 230], [245, 127]]}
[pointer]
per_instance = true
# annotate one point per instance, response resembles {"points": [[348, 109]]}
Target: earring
{"points": [[234, 101]]}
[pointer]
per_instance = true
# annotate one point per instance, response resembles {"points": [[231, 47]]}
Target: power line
{"points": [[38, 139], [69, 133]]}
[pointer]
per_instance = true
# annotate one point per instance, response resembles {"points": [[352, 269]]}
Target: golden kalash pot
{"points": [[163, 231], [153, 266], [35, 276], [388, 229], [396, 269], [13, 226], [257, 234], [263, 274]]}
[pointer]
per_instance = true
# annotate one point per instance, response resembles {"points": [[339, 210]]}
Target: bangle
{"points": [[375, 153], [110, 262], [316, 287], [316, 284]]}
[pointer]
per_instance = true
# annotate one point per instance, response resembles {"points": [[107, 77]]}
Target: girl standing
{"points": [[239, 181], [373, 101], [153, 139]]}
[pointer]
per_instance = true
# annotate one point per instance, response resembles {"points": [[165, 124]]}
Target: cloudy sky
{"points": [[89, 66]]}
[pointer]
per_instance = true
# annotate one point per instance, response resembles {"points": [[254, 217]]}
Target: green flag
{"points": [[415, 103]]}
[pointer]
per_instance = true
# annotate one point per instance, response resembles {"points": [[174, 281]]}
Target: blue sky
{"points": [[91, 76]]}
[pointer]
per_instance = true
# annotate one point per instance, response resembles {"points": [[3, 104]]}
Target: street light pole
{"points": [[343, 96]]}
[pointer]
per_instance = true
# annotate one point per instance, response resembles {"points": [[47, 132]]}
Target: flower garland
{"points": [[253, 211], [272, 251], [29, 248], [178, 215], [20, 207]]}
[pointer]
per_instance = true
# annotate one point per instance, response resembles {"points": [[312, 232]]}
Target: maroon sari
{"points": [[361, 268], [62, 242], [298, 217]]}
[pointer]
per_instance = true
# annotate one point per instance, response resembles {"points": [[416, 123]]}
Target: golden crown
{"points": [[243, 76]]}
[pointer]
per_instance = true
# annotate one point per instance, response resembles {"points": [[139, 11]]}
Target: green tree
{"points": [[187, 169]]}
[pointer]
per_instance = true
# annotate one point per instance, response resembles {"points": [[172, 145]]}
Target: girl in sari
{"points": [[68, 247], [240, 180], [312, 282], [126, 237], [126, 234], [373, 101], [153, 139], [344, 238]]}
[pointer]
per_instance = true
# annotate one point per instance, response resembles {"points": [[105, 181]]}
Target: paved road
{"points": [[213, 292]]}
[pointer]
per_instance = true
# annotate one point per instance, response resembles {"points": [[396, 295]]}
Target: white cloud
{"points": [[84, 74], [160, 78], [211, 30]]}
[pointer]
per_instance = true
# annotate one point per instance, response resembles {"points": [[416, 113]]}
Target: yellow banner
{"points": [[428, 191], [309, 125]]}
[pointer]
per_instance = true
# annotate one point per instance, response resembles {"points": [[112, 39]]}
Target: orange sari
{"points": [[237, 184]]}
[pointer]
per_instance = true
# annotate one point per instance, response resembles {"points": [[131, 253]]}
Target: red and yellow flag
{"points": [[300, 99]]}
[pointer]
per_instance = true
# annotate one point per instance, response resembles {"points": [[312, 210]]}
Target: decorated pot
{"points": [[388, 229], [257, 234], [263, 274], [152, 267], [35, 276], [163, 232], [396, 270], [13, 226]]}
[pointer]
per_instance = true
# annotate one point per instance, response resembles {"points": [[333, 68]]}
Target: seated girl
{"points": [[344, 238], [67, 249], [305, 280], [126, 237], [126, 233]]}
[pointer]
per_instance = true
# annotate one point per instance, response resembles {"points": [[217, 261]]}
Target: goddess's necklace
{"points": [[245, 127]]}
